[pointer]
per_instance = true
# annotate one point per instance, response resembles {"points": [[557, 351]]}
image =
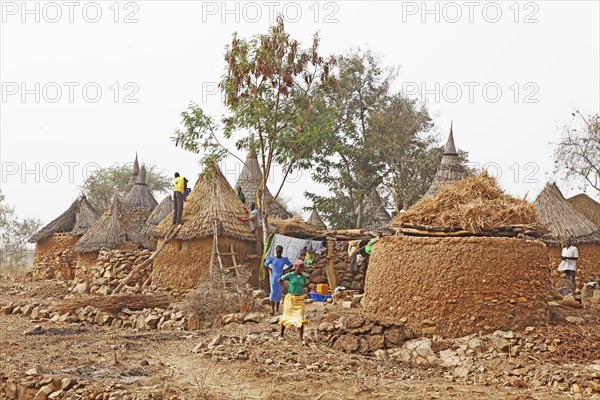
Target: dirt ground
{"points": [[250, 363]]}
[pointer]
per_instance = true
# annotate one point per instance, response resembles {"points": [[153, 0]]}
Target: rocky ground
{"points": [[49, 353]]}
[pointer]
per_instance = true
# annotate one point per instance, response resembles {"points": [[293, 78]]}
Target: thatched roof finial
{"points": [[450, 168], [450, 148]]}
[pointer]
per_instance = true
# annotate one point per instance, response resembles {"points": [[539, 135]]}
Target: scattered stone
{"points": [[499, 343], [254, 317], [326, 327], [275, 319], [44, 392], [32, 372], [420, 346], [575, 320], [67, 383], [349, 304], [381, 355], [450, 358], [81, 288], [217, 340], [144, 363]]}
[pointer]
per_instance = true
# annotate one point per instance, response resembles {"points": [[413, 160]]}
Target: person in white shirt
{"points": [[256, 226], [569, 260]]}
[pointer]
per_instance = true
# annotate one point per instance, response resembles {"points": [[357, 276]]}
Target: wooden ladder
{"points": [[224, 271]]}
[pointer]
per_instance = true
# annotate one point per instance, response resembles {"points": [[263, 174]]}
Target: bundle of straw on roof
{"points": [[294, 226], [474, 205]]}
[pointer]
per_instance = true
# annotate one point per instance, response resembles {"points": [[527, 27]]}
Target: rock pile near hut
{"points": [[112, 266]]}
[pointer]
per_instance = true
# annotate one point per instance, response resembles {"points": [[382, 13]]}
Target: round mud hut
{"points": [[460, 264], [138, 201], [54, 256], [563, 221], [315, 220], [250, 180], [162, 210], [211, 208], [113, 230]]}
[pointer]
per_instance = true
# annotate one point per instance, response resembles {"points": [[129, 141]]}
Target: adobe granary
{"points": [[54, 242], [113, 230], [461, 264], [250, 180], [212, 207], [138, 201], [450, 168], [564, 221]]}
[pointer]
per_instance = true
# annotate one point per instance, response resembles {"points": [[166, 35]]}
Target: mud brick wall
{"points": [[588, 264], [458, 286], [181, 270], [54, 257]]}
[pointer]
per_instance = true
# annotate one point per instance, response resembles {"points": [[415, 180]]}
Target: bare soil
{"points": [[251, 363]]}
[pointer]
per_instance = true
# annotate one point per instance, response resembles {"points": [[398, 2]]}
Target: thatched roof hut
{"points": [[112, 230], [374, 206], [294, 227], [563, 220], [54, 242], [160, 212], [213, 204], [134, 174], [250, 180], [587, 206], [450, 168], [78, 218], [139, 201], [315, 220]]}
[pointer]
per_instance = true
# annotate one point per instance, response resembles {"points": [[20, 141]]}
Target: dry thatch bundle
{"points": [[115, 303], [250, 180], [294, 227], [450, 168], [473, 205], [563, 220], [161, 211], [110, 230], [212, 200], [78, 218], [587, 206], [315, 220], [139, 195]]}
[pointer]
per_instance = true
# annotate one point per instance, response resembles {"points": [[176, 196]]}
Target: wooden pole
{"points": [[330, 270]]}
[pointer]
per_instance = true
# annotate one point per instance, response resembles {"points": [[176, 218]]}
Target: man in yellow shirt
{"points": [[178, 189]]}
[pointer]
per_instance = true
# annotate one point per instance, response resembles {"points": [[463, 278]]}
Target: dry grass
{"points": [[220, 294], [474, 204]]}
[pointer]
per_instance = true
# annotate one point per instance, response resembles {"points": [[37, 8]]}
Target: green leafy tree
{"points": [[577, 155], [273, 89], [101, 185], [14, 233]]}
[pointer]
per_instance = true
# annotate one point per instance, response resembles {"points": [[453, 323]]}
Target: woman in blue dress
{"points": [[277, 267]]}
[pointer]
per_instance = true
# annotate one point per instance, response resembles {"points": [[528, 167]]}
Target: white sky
{"points": [[173, 54]]}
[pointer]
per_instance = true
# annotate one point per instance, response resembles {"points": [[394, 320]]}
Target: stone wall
{"points": [[341, 262], [54, 258], [588, 264], [110, 268], [180, 270], [458, 286]]}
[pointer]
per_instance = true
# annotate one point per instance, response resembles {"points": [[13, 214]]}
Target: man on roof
{"points": [[179, 186]]}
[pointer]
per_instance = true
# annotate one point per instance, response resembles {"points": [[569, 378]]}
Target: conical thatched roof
{"points": [[374, 205], [162, 210], [587, 206], [78, 218], [110, 230], [562, 219], [212, 199], [250, 179], [450, 168], [140, 196], [315, 220], [134, 174]]}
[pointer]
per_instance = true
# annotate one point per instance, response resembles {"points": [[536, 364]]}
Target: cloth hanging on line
{"points": [[353, 247], [292, 247]]}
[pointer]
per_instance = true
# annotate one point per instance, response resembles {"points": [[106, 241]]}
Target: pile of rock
{"points": [[34, 385], [112, 266], [345, 278], [57, 265], [143, 320]]}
